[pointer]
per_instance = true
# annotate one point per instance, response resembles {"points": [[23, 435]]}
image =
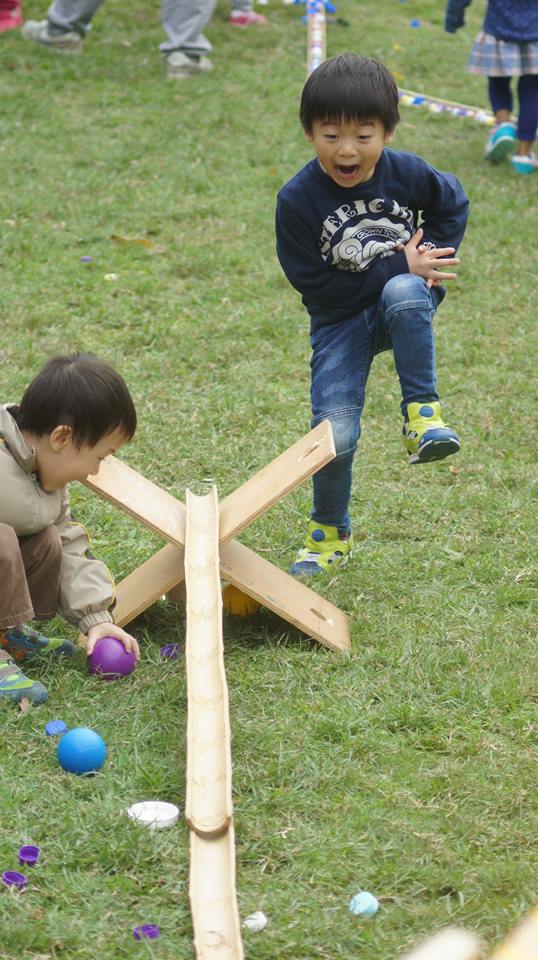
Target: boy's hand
{"points": [[111, 630], [425, 262]]}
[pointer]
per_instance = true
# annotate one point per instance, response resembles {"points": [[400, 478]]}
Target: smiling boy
{"points": [[76, 412], [370, 274]]}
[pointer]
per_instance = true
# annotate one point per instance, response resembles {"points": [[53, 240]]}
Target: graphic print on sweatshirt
{"points": [[358, 232]]}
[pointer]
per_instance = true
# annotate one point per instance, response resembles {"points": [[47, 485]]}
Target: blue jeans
{"points": [[342, 354]]}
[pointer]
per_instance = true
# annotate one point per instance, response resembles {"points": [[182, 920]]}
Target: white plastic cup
{"points": [[155, 814]]}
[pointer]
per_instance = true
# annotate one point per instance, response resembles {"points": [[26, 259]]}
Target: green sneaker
{"points": [[22, 643], [14, 685], [323, 549], [426, 437]]}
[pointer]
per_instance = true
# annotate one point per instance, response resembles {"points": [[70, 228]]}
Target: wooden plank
{"points": [[287, 597], [150, 581], [274, 481], [272, 587], [163, 513], [275, 589], [208, 806], [213, 898], [141, 499]]}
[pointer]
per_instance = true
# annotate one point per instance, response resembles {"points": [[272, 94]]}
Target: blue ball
{"points": [[81, 751], [364, 904]]}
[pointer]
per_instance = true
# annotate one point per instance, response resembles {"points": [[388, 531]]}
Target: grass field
{"points": [[408, 769]]}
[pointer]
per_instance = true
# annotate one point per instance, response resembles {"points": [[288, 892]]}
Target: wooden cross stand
{"points": [[200, 550], [240, 566]]}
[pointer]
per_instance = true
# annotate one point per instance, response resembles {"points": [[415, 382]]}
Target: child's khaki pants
{"points": [[29, 575]]}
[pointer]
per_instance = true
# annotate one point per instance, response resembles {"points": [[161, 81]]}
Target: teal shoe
{"points": [[525, 163], [26, 642], [15, 686], [501, 142], [323, 549], [425, 435]]}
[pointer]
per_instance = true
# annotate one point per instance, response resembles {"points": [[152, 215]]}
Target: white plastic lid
{"points": [[154, 814]]}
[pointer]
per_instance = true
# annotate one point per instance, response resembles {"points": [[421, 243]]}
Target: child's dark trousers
{"points": [[29, 575]]}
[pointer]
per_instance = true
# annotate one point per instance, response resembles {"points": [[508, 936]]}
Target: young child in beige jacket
{"points": [[76, 412]]}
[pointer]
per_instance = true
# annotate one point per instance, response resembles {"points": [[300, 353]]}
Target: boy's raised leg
{"points": [[407, 308]]}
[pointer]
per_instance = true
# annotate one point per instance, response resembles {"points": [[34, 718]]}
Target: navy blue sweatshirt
{"points": [[337, 244], [514, 21]]}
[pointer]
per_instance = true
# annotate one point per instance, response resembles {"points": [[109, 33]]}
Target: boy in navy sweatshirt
{"points": [[349, 240]]}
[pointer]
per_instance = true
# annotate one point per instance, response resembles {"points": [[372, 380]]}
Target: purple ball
{"points": [[109, 659]]}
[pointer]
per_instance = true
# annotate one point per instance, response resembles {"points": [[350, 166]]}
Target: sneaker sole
{"points": [[434, 450], [297, 570], [57, 47], [37, 697], [502, 149], [66, 51]]}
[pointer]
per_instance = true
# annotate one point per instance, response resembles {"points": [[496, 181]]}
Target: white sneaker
{"points": [[179, 66], [39, 32]]}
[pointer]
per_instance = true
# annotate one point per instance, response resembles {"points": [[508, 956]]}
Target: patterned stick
{"points": [[436, 105], [316, 43]]}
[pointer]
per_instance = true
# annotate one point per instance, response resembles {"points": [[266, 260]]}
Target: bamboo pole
{"points": [[522, 943], [450, 944], [208, 806]]}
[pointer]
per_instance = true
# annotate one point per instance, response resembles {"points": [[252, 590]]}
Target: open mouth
{"points": [[347, 171]]}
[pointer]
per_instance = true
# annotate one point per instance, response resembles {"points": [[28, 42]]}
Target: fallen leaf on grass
{"points": [[455, 469], [24, 705], [134, 241]]}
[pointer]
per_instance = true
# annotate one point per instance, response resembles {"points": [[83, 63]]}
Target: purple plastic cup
{"points": [[110, 660], [12, 878], [149, 930], [171, 650], [29, 855]]}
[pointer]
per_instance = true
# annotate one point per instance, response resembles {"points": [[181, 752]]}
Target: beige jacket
{"points": [[86, 587]]}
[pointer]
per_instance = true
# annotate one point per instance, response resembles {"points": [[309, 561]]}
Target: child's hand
{"points": [[425, 262], [111, 630]]}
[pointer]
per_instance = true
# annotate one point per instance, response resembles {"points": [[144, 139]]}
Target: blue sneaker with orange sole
{"points": [[25, 641], [14, 685], [426, 436]]}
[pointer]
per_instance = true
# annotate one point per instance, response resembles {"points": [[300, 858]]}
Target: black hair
{"points": [[82, 391], [349, 87]]}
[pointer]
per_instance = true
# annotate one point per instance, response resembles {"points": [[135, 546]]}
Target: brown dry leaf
{"points": [[455, 469], [134, 241], [24, 705]]}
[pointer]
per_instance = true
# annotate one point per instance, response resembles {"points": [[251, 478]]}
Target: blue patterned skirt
{"points": [[497, 58]]}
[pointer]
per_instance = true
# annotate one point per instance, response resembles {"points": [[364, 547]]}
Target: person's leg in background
{"points": [[503, 138], [10, 15], [186, 47], [524, 160], [244, 15]]}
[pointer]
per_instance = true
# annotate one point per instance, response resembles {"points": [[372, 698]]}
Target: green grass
{"points": [[408, 769]]}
